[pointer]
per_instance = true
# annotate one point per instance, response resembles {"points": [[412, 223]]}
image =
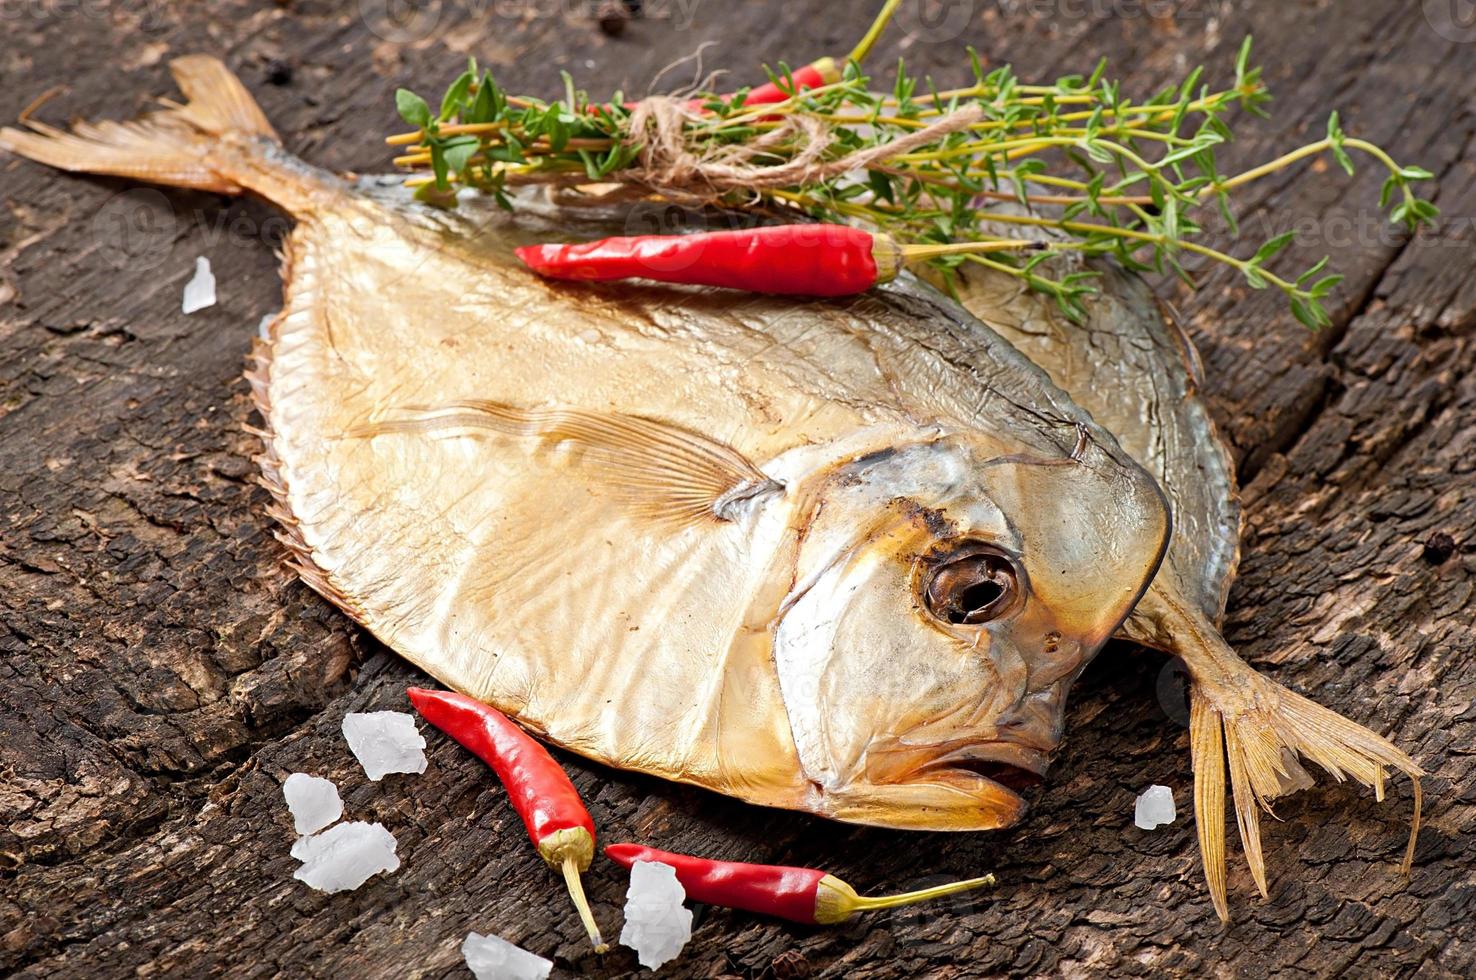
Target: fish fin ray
{"points": [[1208, 753], [1267, 729], [1247, 806], [660, 471], [168, 147], [217, 101]]}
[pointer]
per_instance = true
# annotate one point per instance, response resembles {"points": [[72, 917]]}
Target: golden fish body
{"points": [[841, 557], [838, 557], [692, 533]]}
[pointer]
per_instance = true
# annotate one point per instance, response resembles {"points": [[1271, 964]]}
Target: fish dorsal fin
{"points": [[661, 471]]}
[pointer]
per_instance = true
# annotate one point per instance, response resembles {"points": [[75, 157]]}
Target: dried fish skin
{"points": [[1132, 367], [838, 557]]}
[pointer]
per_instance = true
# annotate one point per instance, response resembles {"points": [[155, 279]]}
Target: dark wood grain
{"points": [[160, 674]]}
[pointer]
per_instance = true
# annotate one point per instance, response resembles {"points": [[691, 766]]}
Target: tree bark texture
{"points": [[160, 674]]}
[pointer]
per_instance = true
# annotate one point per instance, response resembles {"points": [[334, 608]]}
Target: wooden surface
{"points": [[160, 676]]}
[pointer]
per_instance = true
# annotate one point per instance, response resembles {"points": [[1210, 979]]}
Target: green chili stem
{"points": [[873, 33]]}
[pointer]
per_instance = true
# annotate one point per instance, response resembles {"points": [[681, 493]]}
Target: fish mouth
{"points": [[1013, 767]]}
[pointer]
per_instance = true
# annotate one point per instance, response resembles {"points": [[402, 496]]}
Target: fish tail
{"points": [[1264, 731], [218, 140]]}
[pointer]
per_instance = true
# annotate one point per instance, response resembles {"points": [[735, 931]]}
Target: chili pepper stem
{"points": [[913, 253], [891, 255], [868, 40], [576, 891], [570, 852], [836, 901]]}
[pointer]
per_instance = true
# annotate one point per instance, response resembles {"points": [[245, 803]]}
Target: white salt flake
{"points": [[1155, 808], [313, 801], [492, 958], [656, 924], [199, 292], [385, 742], [343, 857]]}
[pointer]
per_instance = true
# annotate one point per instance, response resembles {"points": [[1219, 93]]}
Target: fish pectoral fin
{"points": [[1262, 730], [659, 470]]}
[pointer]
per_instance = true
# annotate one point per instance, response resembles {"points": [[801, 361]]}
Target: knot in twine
{"points": [[792, 154]]}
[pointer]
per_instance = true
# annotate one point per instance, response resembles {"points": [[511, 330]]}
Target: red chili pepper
{"points": [[800, 260], [558, 823], [798, 894], [814, 75], [822, 71]]}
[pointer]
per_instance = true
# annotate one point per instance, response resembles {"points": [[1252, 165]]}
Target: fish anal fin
{"points": [[1267, 732], [659, 471]]}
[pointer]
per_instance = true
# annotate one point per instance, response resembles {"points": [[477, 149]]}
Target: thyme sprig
{"points": [[1077, 162]]}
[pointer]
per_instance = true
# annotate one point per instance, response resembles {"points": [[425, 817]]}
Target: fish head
{"points": [[945, 595]]}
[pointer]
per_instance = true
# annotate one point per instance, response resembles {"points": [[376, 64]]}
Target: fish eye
{"points": [[970, 585]]}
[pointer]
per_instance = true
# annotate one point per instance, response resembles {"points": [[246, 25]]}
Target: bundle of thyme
{"points": [[1105, 175]]}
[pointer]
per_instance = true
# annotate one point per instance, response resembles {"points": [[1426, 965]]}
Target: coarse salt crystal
{"points": [[657, 926], [385, 742], [494, 958], [345, 856], [1155, 808], [313, 801], [199, 292]]}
